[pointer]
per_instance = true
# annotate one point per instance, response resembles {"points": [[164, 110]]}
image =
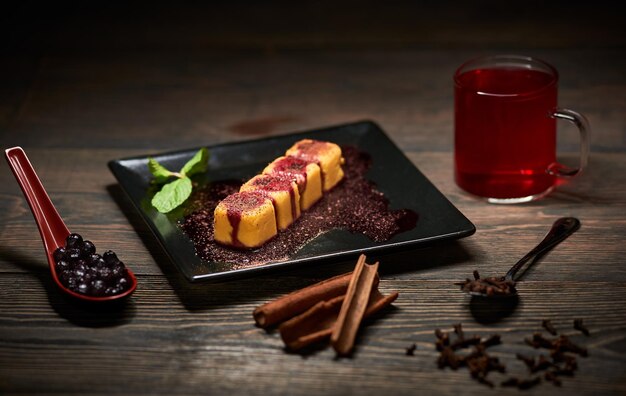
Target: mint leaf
{"points": [[197, 164], [160, 173], [172, 195]]}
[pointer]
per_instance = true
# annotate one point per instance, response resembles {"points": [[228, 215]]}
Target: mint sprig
{"points": [[175, 192]]}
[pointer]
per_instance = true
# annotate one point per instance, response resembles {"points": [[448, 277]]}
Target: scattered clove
{"points": [[528, 360], [564, 344], [542, 364], [465, 342], [410, 350], [458, 330], [492, 340], [539, 341], [447, 357], [578, 325], [550, 376], [548, 326], [443, 340], [561, 361], [479, 363]]}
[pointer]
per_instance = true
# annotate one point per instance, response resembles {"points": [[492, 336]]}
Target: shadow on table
{"points": [[323, 345], [78, 312], [493, 310], [210, 295]]}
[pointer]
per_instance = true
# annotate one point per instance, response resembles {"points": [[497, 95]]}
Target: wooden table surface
{"points": [[74, 102]]}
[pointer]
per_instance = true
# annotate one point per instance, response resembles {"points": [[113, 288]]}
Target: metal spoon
{"points": [[52, 229], [561, 229]]}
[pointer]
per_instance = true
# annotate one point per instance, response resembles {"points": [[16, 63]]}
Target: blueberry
{"points": [[118, 270], [122, 283], [59, 254], [73, 253], [71, 283], [88, 248], [105, 273], [64, 275], [74, 241], [83, 288], [97, 287], [62, 265], [79, 271], [109, 291], [110, 257], [88, 276], [97, 262]]}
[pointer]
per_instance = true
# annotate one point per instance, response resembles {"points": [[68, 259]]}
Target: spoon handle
{"points": [[561, 229], [52, 229]]}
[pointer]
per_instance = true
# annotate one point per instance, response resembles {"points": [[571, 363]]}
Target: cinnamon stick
{"points": [[317, 323], [312, 326], [354, 306], [299, 301]]}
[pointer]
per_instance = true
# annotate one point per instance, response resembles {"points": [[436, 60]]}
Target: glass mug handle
{"points": [[581, 122]]}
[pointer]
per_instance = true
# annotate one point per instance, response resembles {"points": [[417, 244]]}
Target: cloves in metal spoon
{"points": [[504, 286], [52, 229]]}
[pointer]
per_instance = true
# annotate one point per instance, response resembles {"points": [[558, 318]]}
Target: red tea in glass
{"points": [[505, 128]]}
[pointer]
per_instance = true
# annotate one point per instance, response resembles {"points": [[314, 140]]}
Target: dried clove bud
{"points": [[443, 340], [550, 376], [564, 344], [528, 383], [458, 330], [578, 325], [447, 357], [528, 360], [493, 339], [539, 341], [478, 361], [563, 357], [548, 326], [542, 364], [465, 342], [410, 350]]}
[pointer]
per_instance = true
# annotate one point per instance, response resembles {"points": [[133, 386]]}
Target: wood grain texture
{"points": [[82, 88]]}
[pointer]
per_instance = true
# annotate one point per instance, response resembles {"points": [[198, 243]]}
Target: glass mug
{"points": [[505, 111]]}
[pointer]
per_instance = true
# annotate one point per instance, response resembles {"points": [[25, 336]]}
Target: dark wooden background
{"points": [[81, 84]]}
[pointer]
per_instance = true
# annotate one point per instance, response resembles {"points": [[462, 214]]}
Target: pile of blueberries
{"points": [[80, 269]]}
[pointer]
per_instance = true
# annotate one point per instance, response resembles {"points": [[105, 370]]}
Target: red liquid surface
{"points": [[505, 139]]}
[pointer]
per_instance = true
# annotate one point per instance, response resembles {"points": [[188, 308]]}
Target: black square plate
{"points": [[401, 182]]}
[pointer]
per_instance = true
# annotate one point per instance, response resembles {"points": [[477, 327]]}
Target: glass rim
{"points": [[498, 61]]}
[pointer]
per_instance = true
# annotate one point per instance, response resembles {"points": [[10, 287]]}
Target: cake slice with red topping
{"points": [[283, 191], [245, 220], [326, 154], [307, 175]]}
